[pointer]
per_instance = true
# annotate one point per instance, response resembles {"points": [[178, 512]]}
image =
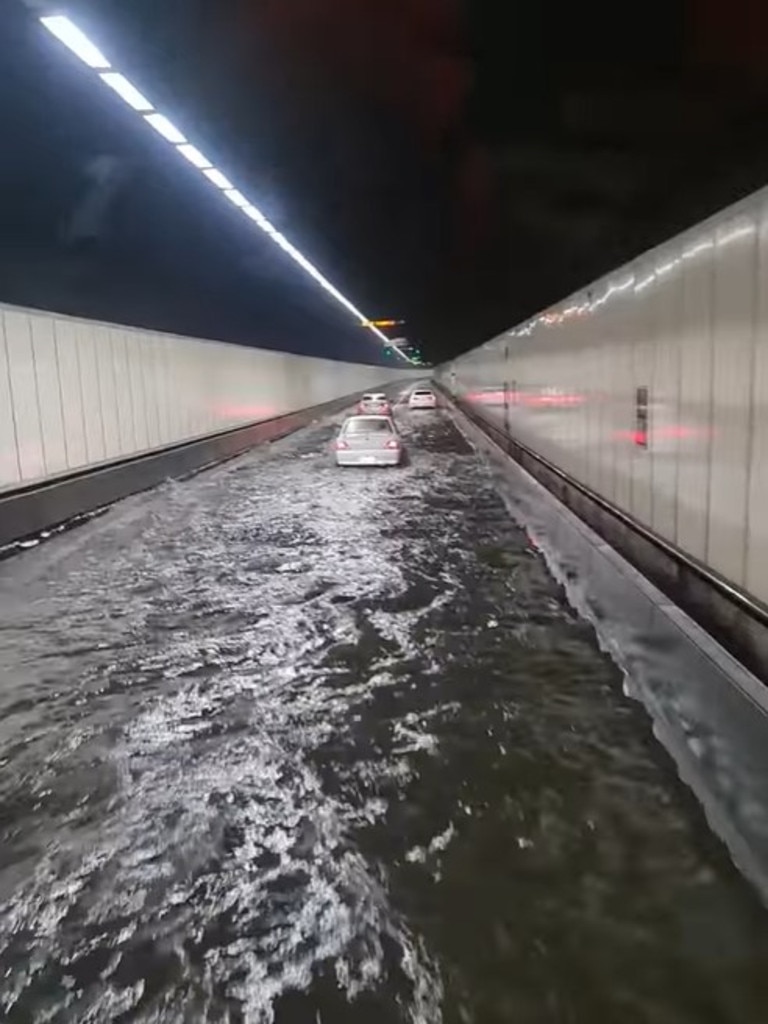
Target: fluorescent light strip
{"points": [[166, 128], [126, 91], [195, 157], [256, 216], [69, 34], [236, 197], [219, 180], [75, 40]]}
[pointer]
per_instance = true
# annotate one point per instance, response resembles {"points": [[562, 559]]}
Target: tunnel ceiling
{"points": [[457, 165]]}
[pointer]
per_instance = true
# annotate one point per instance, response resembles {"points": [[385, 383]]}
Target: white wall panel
{"points": [[150, 370], [10, 470], [161, 386], [601, 454], [81, 395], [623, 394], [188, 380], [192, 425], [46, 363], [664, 311], [135, 354], [75, 393], [175, 398], [126, 424], [26, 405], [71, 394], [688, 320], [733, 336], [104, 399], [696, 392], [592, 382], [205, 363], [757, 499], [641, 484]]}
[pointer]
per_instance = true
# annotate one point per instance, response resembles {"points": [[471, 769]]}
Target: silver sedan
{"points": [[368, 441]]}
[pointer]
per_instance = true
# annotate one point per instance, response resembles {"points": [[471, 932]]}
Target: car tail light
{"points": [[340, 445], [392, 443]]}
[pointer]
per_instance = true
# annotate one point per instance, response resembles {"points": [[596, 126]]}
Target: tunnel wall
{"points": [[77, 394], [687, 321]]}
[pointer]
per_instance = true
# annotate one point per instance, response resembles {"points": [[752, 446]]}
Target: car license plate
{"points": [[368, 460]]}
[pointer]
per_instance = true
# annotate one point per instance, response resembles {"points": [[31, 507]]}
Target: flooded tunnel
{"points": [[291, 743], [481, 739]]}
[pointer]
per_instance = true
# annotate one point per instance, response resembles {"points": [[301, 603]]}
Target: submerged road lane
{"points": [[290, 744]]}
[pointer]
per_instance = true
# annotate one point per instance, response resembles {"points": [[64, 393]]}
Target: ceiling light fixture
{"points": [[219, 180], [126, 91], [69, 34], [236, 198], [166, 128], [195, 157], [75, 40]]}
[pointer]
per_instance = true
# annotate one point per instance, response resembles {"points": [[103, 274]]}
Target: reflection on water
{"points": [[289, 744]]}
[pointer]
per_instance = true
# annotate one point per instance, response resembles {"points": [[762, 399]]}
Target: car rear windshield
{"points": [[423, 394], [368, 426]]}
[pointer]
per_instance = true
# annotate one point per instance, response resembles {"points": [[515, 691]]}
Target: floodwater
{"points": [[286, 744]]}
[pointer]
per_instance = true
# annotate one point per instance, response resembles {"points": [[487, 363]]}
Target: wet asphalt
{"points": [[292, 744]]}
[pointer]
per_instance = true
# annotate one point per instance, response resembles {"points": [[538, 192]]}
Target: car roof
{"points": [[366, 416]]}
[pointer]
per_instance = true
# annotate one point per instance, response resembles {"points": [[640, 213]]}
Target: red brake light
{"points": [[340, 445], [393, 443]]}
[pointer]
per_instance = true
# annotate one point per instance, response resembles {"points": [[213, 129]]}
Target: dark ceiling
{"points": [[457, 165]]}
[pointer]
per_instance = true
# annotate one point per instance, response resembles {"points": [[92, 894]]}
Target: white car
{"points": [[422, 398], [374, 403], [368, 441]]}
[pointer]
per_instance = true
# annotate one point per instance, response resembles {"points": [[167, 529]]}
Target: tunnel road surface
{"points": [[287, 743]]}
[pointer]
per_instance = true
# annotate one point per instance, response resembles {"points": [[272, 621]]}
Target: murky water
{"points": [[291, 744]]}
